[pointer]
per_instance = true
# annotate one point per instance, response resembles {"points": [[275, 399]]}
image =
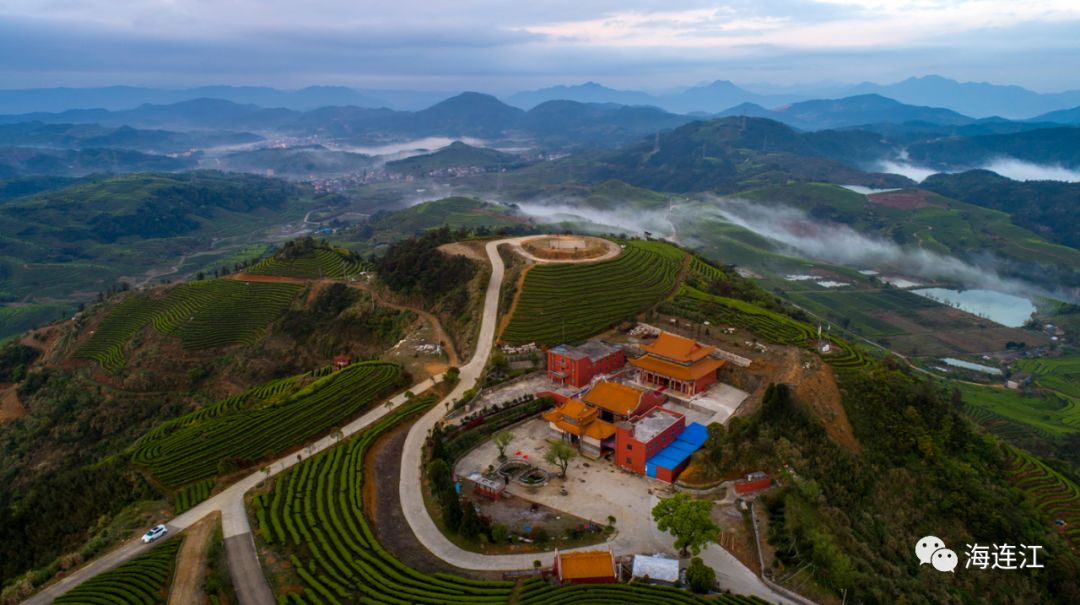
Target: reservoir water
{"points": [[1005, 309]]}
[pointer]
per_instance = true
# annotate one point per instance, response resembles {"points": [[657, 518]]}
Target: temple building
{"points": [[576, 366], [617, 401], [579, 424], [676, 364]]}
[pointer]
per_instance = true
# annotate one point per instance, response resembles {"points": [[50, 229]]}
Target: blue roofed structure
{"points": [[680, 450]]}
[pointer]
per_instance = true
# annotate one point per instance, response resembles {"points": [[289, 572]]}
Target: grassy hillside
{"points": [[927, 220], [68, 243], [731, 154], [294, 162], [455, 155], [1044, 207], [453, 212]]}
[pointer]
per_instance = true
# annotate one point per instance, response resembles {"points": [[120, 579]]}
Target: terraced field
{"points": [[222, 312], [1062, 375], [718, 310], [314, 515], [1006, 428], [204, 314], [237, 432], [568, 303], [106, 344], [142, 581], [1053, 494], [192, 495], [322, 263], [1049, 414]]}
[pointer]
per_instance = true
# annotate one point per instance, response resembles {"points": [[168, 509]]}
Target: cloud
{"points": [[912, 171], [502, 46], [794, 233], [1026, 171]]}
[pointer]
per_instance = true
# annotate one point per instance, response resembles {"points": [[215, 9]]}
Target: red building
{"points": [[576, 366], [677, 364], [585, 567], [753, 482], [658, 444]]}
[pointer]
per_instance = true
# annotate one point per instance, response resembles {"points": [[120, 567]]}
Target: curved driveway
{"points": [[245, 569]]}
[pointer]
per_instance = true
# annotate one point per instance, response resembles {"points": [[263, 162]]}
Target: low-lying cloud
{"points": [[796, 233], [1017, 170], [629, 220], [912, 171]]}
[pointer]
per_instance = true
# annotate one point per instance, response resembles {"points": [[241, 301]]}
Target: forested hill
{"points": [[737, 153], [1049, 208], [141, 206]]}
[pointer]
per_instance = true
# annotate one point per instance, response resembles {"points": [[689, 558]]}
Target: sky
{"points": [[501, 46]]}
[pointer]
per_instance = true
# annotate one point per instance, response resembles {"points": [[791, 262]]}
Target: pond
{"points": [[967, 365], [1006, 309]]}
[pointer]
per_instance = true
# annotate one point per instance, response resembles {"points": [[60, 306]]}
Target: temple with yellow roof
{"points": [[677, 364]]}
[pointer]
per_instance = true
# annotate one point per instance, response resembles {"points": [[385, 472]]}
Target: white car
{"points": [[154, 533]]}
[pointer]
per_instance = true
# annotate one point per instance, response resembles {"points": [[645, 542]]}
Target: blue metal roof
{"points": [[688, 442]]}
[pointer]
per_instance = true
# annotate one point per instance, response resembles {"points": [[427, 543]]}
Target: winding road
{"points": [[247, 574]]}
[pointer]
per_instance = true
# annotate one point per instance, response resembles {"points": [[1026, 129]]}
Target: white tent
{"points": [[660, 569]]}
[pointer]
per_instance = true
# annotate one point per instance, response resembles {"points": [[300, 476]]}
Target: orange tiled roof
{"points": [[571, 409], [597, 429], [677, 348], [617, 398], [575, 417], [586, 564], [674, 370]]}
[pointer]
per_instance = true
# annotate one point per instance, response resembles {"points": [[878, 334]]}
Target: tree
{"points": [[560, 453], [688, 520], [502, 439], [700, 576], [470, 526]]}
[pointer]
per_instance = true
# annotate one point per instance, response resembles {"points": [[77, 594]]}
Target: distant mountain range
{"points": [[859, 131], [977, 99], [115, 98], [851, 111], [468, 114]]}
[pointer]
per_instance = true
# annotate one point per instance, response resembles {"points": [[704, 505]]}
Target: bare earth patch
{"points": [[10, 406], [566, 247], [187, 586], [904, 200], [473, 250]]}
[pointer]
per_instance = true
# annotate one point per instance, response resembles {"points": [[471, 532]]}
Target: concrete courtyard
{"points": [[595, 488]]}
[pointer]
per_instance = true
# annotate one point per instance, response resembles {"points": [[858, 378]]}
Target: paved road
{"points": [[247, 573], [730, 570], [244, 567]]}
